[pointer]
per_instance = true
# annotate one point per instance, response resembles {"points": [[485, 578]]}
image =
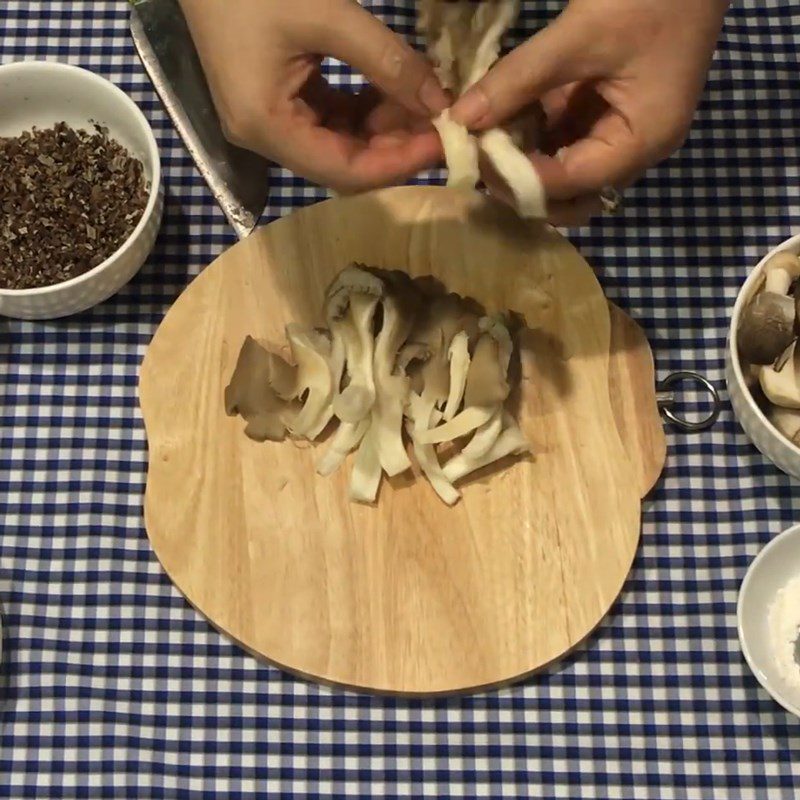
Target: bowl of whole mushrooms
{"points": [[763, 359]]}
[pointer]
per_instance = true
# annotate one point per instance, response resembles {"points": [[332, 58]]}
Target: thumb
{"points": [[562, 53], [358, 38]]}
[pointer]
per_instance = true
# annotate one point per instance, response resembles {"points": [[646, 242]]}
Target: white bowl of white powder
{"points": [[769, 618]]}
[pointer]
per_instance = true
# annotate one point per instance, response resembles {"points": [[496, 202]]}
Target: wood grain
{"points": [[409, 596], [631, 385]]}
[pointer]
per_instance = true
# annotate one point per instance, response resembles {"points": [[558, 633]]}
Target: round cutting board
{"points": [[408, 596]]}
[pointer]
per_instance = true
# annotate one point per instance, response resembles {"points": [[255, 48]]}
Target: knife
{"points": [[238, 179]]}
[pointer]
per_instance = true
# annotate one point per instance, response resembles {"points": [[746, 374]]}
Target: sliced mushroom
{"points": [[350, 305], [365, 477], [463, 41], [348, 436], [460, 153], [458, 355], [422, 417], [429, 353], [484, 437], [311, 351], [510, 442], [517, 171], [400, 305], [487, 383], [486, 386]]}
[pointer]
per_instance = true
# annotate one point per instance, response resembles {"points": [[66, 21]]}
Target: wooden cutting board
{"points": [[409, 596]]}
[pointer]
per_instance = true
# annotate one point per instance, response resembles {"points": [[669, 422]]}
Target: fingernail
{"points": [[471, 107], [432, 96]]}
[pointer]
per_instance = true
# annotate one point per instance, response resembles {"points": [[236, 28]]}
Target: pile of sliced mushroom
{"points": [[767, 340], [463, 41], [399, 358]]}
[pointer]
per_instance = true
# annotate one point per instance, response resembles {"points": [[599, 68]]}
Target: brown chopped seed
{"points": [[70, 199]]}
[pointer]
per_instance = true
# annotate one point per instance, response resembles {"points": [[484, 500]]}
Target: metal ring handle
{"points": [[665, 397]]}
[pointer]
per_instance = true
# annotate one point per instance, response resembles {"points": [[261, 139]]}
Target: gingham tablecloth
{"points": [[113, 687]]}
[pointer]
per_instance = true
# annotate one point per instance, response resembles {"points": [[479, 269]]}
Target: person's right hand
{"points": [[618, 82], [262, 61]]}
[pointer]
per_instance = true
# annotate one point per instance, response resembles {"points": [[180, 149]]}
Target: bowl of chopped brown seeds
{"points": [[80, 190]]}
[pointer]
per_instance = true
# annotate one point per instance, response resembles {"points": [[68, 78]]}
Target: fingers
{"points": [[574, 213], [562, 213], [561, 53], [614, 153], [361, 40], [346, 162]]}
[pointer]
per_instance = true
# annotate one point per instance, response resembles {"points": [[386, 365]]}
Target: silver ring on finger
{"points": [[612, 200]]}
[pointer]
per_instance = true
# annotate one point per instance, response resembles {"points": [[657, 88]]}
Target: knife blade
{"points": [[238, 179]]}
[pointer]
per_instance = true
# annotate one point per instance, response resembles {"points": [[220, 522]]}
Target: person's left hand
{"points": [[263, 61]]}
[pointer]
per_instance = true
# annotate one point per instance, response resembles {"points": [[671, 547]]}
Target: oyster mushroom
{"points": [[402, 356], [259, 392], [486, 386], [365, 478], [769, 323], [400, 305], [311, 351], [458, 355], [510, 442], [463, 41], [350, 305]]}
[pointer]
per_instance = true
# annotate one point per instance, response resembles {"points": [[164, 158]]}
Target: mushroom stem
{"points": [[344, 441], [517, 170], [365, 477], [355, 401], [387, 418], [510, 442], [423, 414], [459, 365], [484, 437], [469, 419], [460, 152], [310, 351]]}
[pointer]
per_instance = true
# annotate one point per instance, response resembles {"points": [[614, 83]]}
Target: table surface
{"points": [[112, 686]]}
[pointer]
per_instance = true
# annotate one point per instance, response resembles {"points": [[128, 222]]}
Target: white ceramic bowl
{"points": [[772, 569], [766, 438], [42, 93]]}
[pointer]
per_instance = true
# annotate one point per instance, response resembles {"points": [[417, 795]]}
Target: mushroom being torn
{"points": [[401, 361], [462, 38]]}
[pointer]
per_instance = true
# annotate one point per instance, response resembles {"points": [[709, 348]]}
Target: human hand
{"points": [[618, 81], [262, 61]]}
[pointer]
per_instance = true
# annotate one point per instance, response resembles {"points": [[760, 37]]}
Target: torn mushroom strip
{"points": [[401, 358], [463, 42]]}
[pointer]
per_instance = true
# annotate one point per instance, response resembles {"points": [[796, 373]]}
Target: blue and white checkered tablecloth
{"points": [[113, 687]]}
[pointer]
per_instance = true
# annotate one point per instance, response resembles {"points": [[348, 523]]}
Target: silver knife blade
{"points": [[238, 178]]}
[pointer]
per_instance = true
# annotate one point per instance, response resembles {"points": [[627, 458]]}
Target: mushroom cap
{"points": [[354, 279], [767, 328], [250, 395], [486, 377]]}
